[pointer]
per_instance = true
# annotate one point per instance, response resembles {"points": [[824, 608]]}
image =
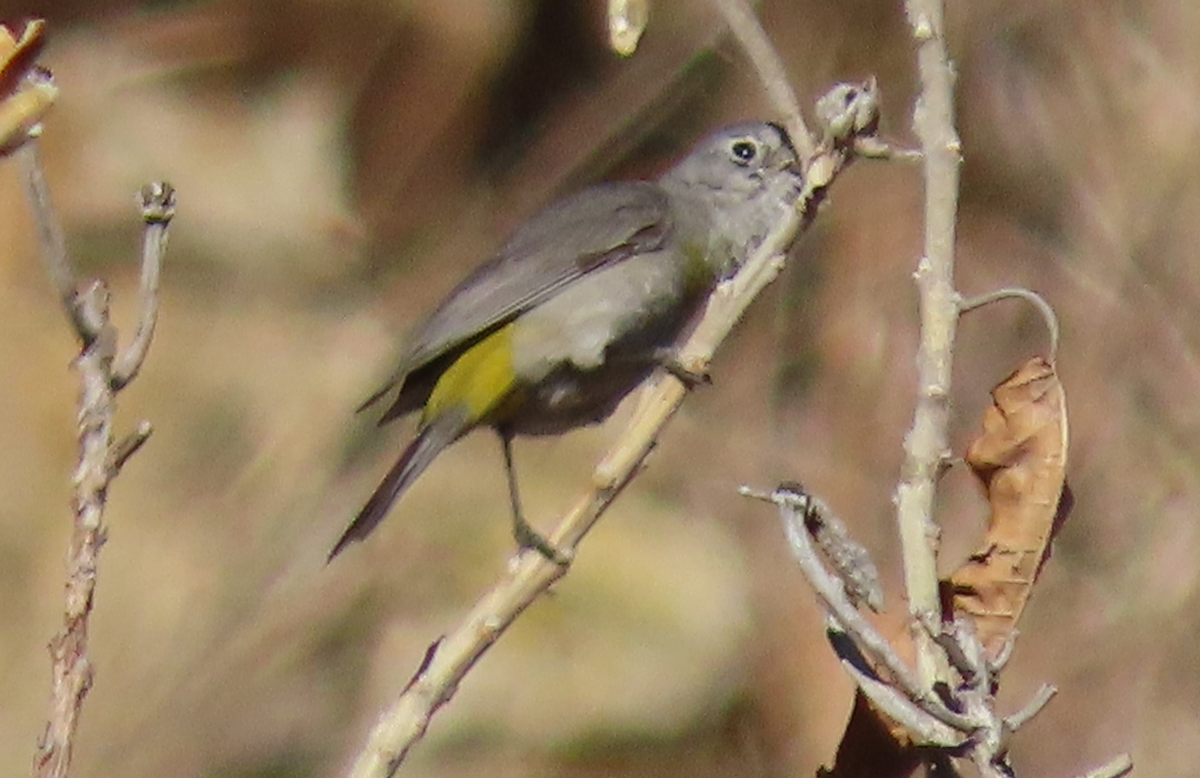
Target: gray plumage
{"points": [[598, 288]]}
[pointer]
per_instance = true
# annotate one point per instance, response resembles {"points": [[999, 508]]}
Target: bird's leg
{"points": [[525, 535]]}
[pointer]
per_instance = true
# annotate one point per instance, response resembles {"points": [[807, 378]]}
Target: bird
{"points": [[583, 301]]}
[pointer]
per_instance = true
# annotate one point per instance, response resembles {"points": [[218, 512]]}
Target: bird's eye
{"points": [[744, 151]]}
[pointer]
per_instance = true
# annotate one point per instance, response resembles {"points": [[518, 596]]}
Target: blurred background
{"points": [[340, 165]]}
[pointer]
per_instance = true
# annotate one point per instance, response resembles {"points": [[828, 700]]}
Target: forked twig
{"points": [[794, 506], [100, 457], [960, 718]]}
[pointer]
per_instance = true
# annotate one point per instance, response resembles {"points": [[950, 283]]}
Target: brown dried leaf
{"points": [[1021, 459], [872, 745]]}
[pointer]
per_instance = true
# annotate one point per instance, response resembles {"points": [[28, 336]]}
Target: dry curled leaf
{"points": [[872, 745], [1021, 459]]}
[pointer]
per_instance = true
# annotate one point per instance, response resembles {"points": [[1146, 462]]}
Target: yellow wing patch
{"points": [[478, 381]]}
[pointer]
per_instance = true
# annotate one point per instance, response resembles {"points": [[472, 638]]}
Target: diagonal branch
{"points": [[853, 633], [749, 33]]}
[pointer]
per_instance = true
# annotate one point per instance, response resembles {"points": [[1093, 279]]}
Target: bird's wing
{"points": [[595, 228]]}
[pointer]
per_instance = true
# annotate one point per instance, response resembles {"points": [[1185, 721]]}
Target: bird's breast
{"points": [[578, 354]]}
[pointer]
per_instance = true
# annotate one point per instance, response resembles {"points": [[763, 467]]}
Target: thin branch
{"points": [[745, 27], [1028, 295], [1040, 700], [128, 446], [926, 444], [50, 237], [99, 458], [794, 506], [157, 202], [997, 663], [924, 728], [72, 671], [530, 574]]}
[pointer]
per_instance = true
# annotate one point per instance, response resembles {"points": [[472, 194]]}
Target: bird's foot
{"points": [[529, 538], [690, 376]]}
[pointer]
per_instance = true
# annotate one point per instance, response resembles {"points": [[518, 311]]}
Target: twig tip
{"points": [[157, 202]]}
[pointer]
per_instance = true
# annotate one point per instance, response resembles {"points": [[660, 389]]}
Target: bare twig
{"points": [[1040, 699], [157, 203], [51, 238], [925, 445], [745, 27], [794, 508], [1036, 300], [530, 574], [924, 728], [128, 446], [99, 461]]}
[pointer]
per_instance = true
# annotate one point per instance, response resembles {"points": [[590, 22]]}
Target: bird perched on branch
{"points": [[584, 300]]}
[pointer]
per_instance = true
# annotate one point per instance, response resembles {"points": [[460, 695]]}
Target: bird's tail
{"points": [[430, 441]]}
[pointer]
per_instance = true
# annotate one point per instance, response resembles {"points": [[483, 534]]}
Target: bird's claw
{"points": [[528, 538], [686, 375]]}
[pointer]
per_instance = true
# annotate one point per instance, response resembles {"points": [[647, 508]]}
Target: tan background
{"points": [[341, 164]]}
